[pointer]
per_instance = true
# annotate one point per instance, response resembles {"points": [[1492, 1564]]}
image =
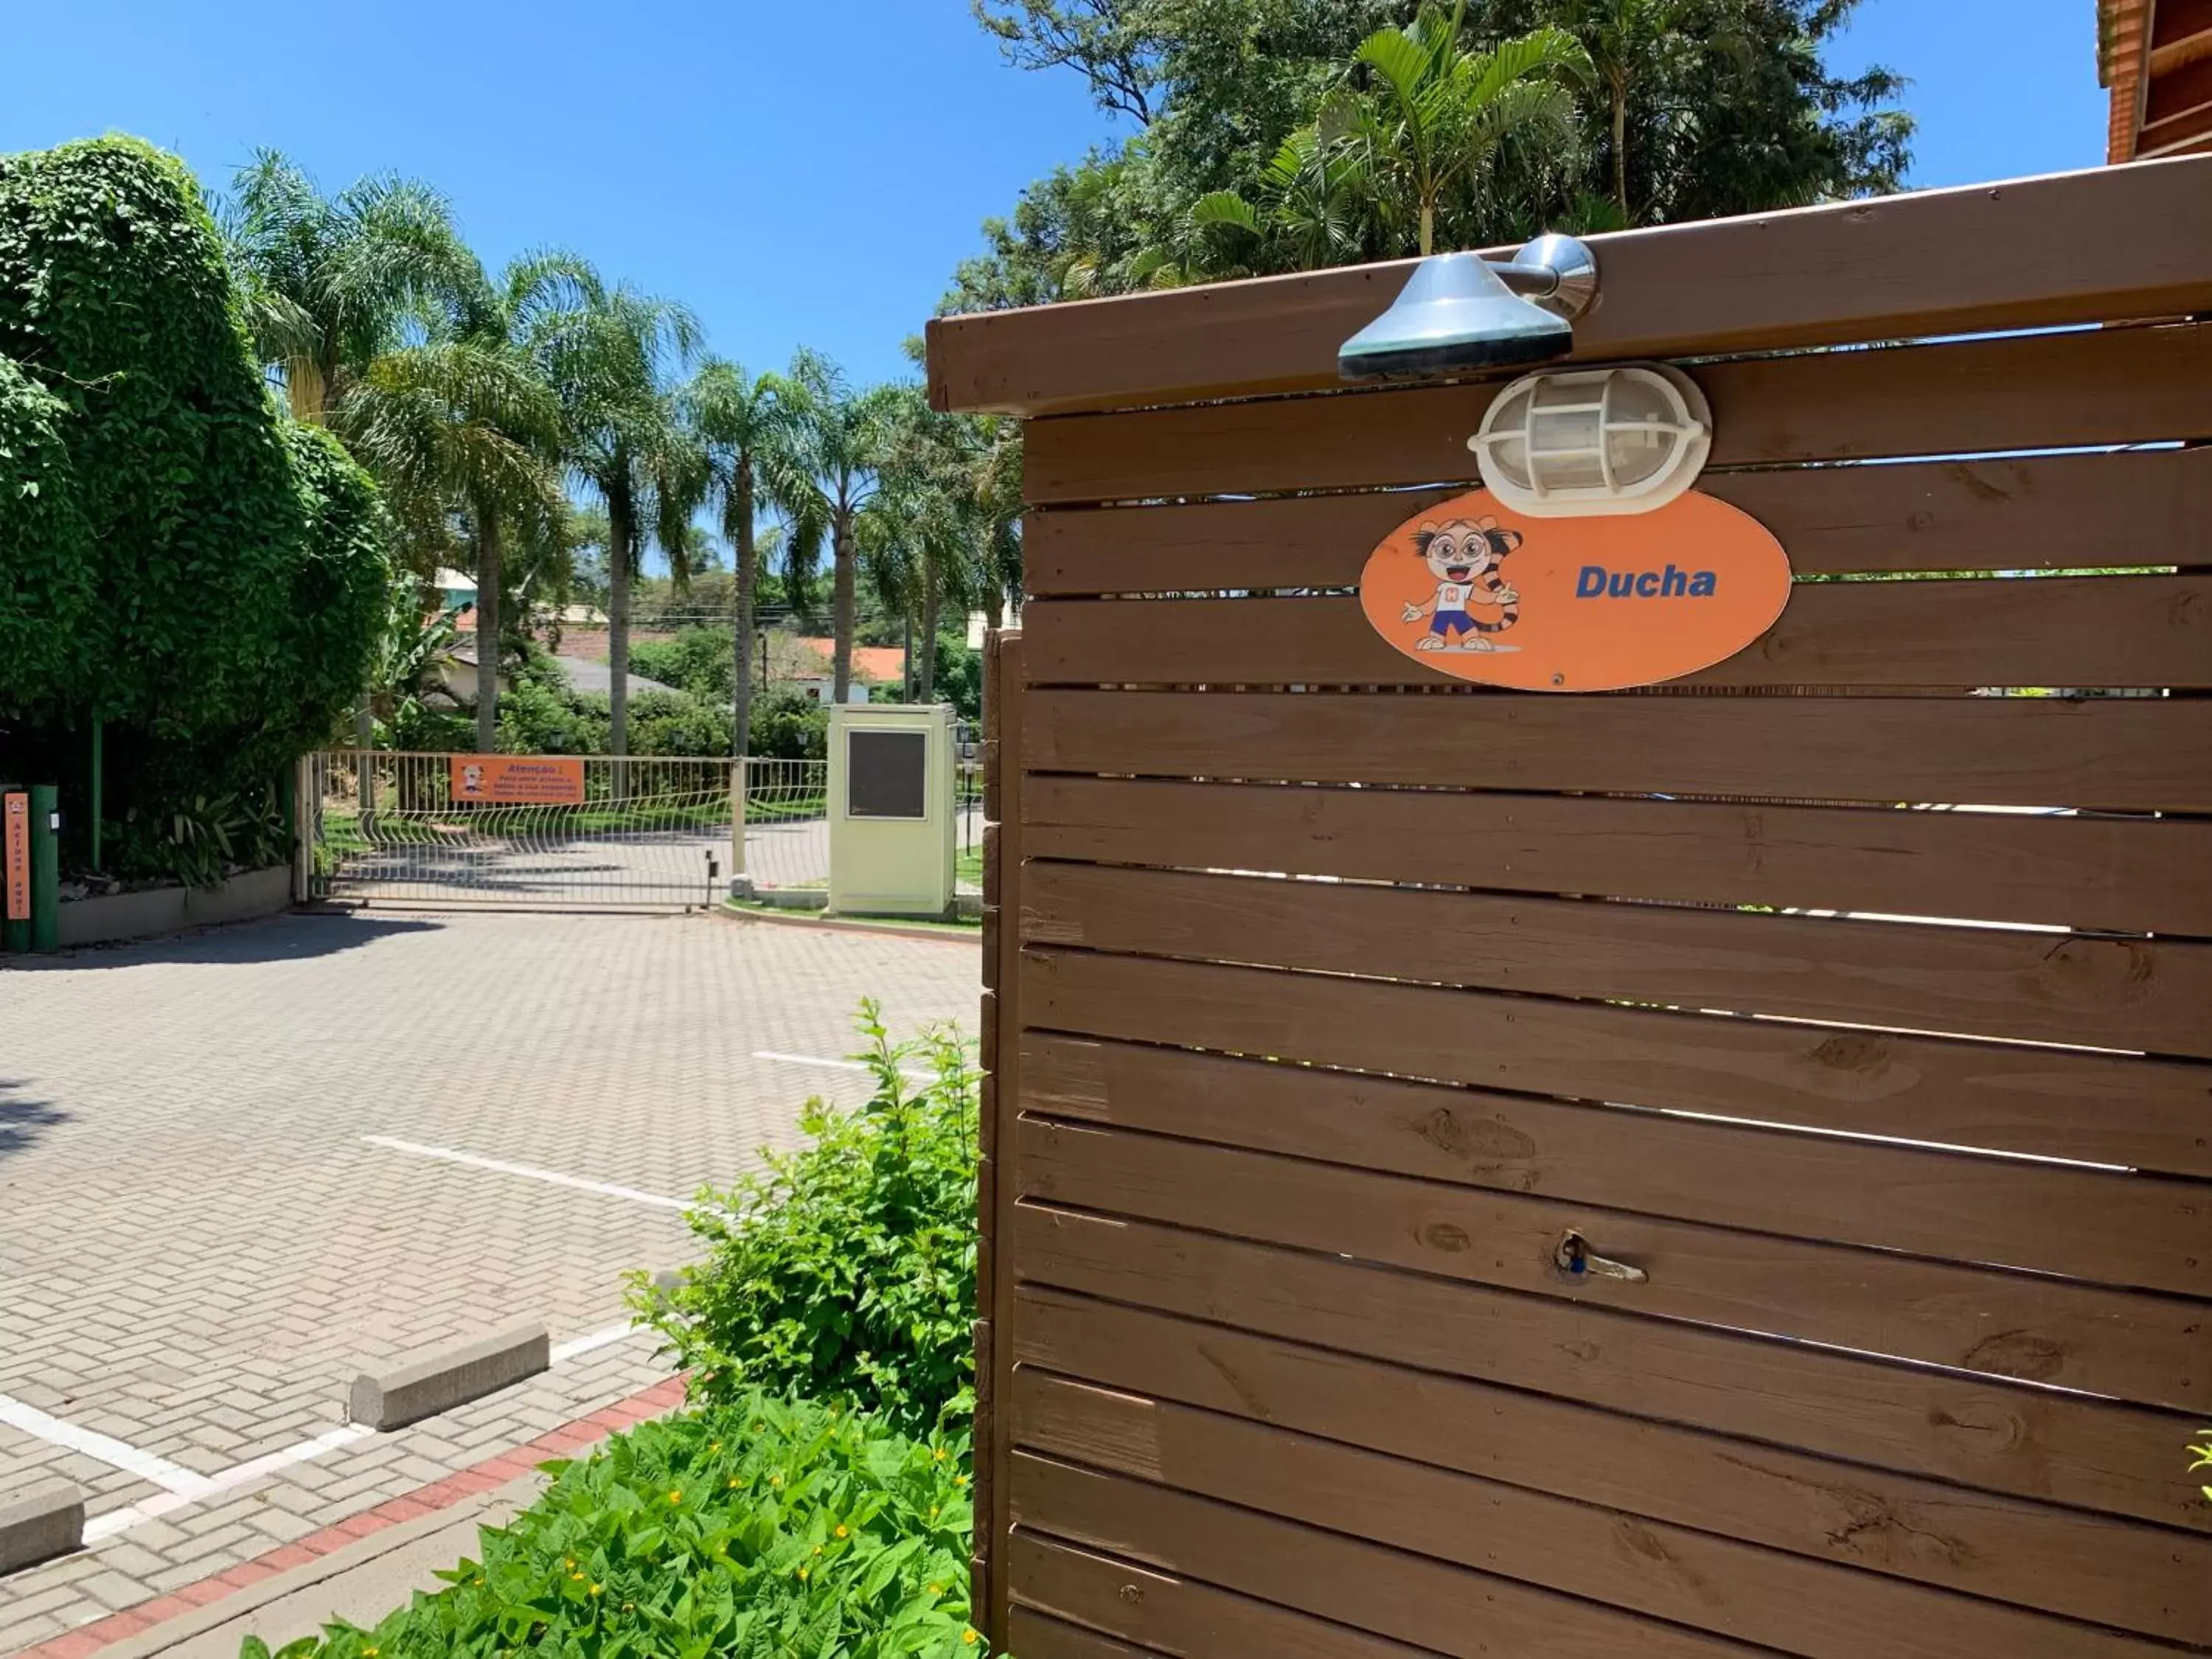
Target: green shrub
{"points": [[788, 725], [848, 1270], [538, 717], [671, 723], [182, 562], [763, 1528], [699, 660]]}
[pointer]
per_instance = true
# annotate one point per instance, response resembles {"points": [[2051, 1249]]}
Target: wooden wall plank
{"points": [[2143, 1113], [2032, 392], [1390, 1593], [2104, 993], [2035, 513], [2116, 1229], [2148, 754], [2149, 1350], [2076, 247], [1176, 1615], [2114, 874], [2035, 1443], [2068, 631], [1770, 1598], [2115, 1572], [1041, 1636]]}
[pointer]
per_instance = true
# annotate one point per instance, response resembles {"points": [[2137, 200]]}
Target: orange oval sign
{"points": [[1480, 593]]}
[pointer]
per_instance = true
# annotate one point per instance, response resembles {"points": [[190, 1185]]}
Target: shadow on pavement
{"points": [[293, 937], [21, 1118]]}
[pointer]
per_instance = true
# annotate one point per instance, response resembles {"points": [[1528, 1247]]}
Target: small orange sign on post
{"points": [[543, 780], [16, 845], [1481, 593]]}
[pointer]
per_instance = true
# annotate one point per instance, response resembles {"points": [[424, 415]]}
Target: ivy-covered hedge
{"points": [[182, 560]]}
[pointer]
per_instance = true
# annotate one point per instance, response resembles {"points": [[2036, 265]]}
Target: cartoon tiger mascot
{"points": [[1464, 555]]}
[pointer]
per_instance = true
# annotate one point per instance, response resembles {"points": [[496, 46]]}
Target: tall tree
{"points": [[463, 429], [922, 535], [839, 437], [331, 281], [1724, 107], [609, 353], [750, 431], [1436, 114]]}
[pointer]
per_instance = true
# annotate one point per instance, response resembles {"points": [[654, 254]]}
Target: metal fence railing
{"points": [[635, 832], [638, 833], [786, 816]]}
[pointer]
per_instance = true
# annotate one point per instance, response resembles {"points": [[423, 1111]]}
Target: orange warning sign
{"points": [[1576, 603], [552, 780], [15, 852]]}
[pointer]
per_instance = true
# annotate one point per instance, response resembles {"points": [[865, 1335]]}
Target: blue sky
{"points": [[798, 174]]}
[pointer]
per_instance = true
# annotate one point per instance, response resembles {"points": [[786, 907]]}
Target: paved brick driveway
{"points": [[197, 1242]]}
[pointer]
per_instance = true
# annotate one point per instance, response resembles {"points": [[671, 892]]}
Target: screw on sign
{"points": [[15, 815]]}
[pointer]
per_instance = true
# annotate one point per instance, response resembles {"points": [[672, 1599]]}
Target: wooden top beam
{"points": [[2070, 248]]}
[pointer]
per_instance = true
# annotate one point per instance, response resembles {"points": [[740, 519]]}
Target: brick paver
{"points": [[196, 1245]]}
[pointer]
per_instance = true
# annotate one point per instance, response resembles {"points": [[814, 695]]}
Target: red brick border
{"points": [[495, 1471]]}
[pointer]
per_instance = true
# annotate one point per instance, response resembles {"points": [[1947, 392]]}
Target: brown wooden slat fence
{"points": [[1865, 1001]]}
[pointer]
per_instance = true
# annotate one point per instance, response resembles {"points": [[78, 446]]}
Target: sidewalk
{"points": [[359, 1570]]}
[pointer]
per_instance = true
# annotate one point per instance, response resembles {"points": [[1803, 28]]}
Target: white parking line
{"points": [[563, 1351], [837, 1064], [172, 1478], [230, 1479], [659, 1201], [181, 1493]]}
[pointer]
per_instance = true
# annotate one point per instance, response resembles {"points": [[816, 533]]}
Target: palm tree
{"points": [[465, 432], [330, 281], [465, 427], [608, 353], [916, 532], [839, 440], [1309, 207], [996, 474], [748, 430], [1435, 114]]}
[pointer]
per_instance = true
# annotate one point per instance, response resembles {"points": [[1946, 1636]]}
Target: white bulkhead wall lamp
{"points": [[1589, 442]]}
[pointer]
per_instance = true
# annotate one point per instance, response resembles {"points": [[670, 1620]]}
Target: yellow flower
{"points": [[935, 1589], [575, 1577], [969, 1638], [714, 1445], [933, 1511], [802, 1572], [596, 1589], [959, 1479], [733, 1483], [840, 1531], [675, 1497], [939, 1455], [775, 1481], [818, 1549]]}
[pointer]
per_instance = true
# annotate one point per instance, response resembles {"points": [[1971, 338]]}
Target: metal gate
{"points": [[649, 833], [1344, 1020]]}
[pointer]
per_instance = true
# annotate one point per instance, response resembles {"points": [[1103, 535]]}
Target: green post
{"points": [[45, 867], [99, 785]]}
